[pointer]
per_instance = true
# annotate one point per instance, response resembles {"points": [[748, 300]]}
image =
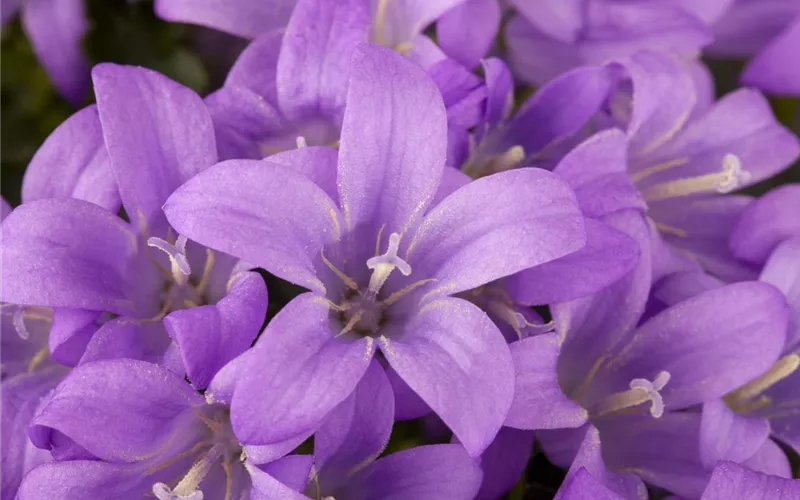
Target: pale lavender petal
{"points": [[292, 470], [158, 133], [590, 458], [56, 31], [295, 374], [709, 11], [542, 224], [539, 402], [504, 461], [208, 337], [260, 212], [775, 69], [561, 446], [733, 481], [560, 19], [395, 137], [131, 339], [67, 253], [464, 94], [582, 486], [671, 458], [770, 459], [467, 31], [73, 163], [597, 169], [407, 403], [243, 18], [452, 355], [355, 433], [608, 256], [748, 26], [724, 435], [70, 332], [256, 68], [434, 472], [318, 47], [500, 94], [710, 344], [767, 222], [81, 479], [535, 57], [118, 410], [243, 121], [398, 22], [783, 270], [316, 163], [267, 487]]}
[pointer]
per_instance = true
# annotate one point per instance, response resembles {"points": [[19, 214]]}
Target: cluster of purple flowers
{"points": [[572, 270]]}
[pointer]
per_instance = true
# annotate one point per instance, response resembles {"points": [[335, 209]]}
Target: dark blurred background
{"points": [[128, 32]]}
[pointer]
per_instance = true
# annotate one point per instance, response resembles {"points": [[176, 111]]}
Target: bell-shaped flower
{"points": [[380, 261], [129, 429], [93, 267]]}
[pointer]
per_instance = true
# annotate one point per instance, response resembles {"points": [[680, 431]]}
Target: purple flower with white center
{"points": [[289, 89], [343, 238], [628, 380], [127, 429], [55, 29], [547, 38], [356, 432], [81, 259]]}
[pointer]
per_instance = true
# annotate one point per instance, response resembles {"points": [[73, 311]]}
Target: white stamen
{"points": [[187, 488], [641, 391], [176, 254], [383, 265], [301, 142], [731, 177], [19, 323]]}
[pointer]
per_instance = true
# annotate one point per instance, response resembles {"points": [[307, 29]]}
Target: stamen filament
{"points": [[641, 391], [206, 278], [391, 299], [350, 282], [743, 399]]}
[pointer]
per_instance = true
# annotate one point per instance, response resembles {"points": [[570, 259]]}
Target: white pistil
{"points": [[301, 142], [187, 488], [728, 179], [641, 391], [383, 265], [745, 398], [19, 323], [177, 256]]}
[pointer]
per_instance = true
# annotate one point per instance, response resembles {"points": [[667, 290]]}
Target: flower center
{"points": [[221, 449], [641, 391], [180, 290], [749, 397]]}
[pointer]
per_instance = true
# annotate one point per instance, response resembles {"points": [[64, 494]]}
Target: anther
{"points": [[732, 174], [641, 391], [383, 265], [176, 254]]}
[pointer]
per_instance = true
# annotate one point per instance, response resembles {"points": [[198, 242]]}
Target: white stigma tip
{"points": [[732, 174], [164, 492], [653, 388], [301, 142], [19, 323], [176, 253], [391, 257]]}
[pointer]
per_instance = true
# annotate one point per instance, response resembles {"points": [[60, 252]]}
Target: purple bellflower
{"points": [[547, 38], [93, 267], [55, 29], [126, 429], [290, 89], [381, 261], [628, 380]]}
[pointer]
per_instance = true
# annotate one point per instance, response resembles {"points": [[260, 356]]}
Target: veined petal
{"points": [[500, 94], [118, 410], [315, 162], [398, 22], [395, 138], [769, 70], [67, 253], [73, 163], [267, 487], [783, 270], [770, 459], [539, 402], [256, 68], [435, 472], [56, 30], [241, 17], [355, 433], [158, 133], [710, 344], [76, 479], [731, 480], [582, 486], [557, 18], [295, 374], [765, 223], [466, 32], [452, 355], [725, 435], [261, 212], [318, 47], [208, 337], [474, 236]]}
